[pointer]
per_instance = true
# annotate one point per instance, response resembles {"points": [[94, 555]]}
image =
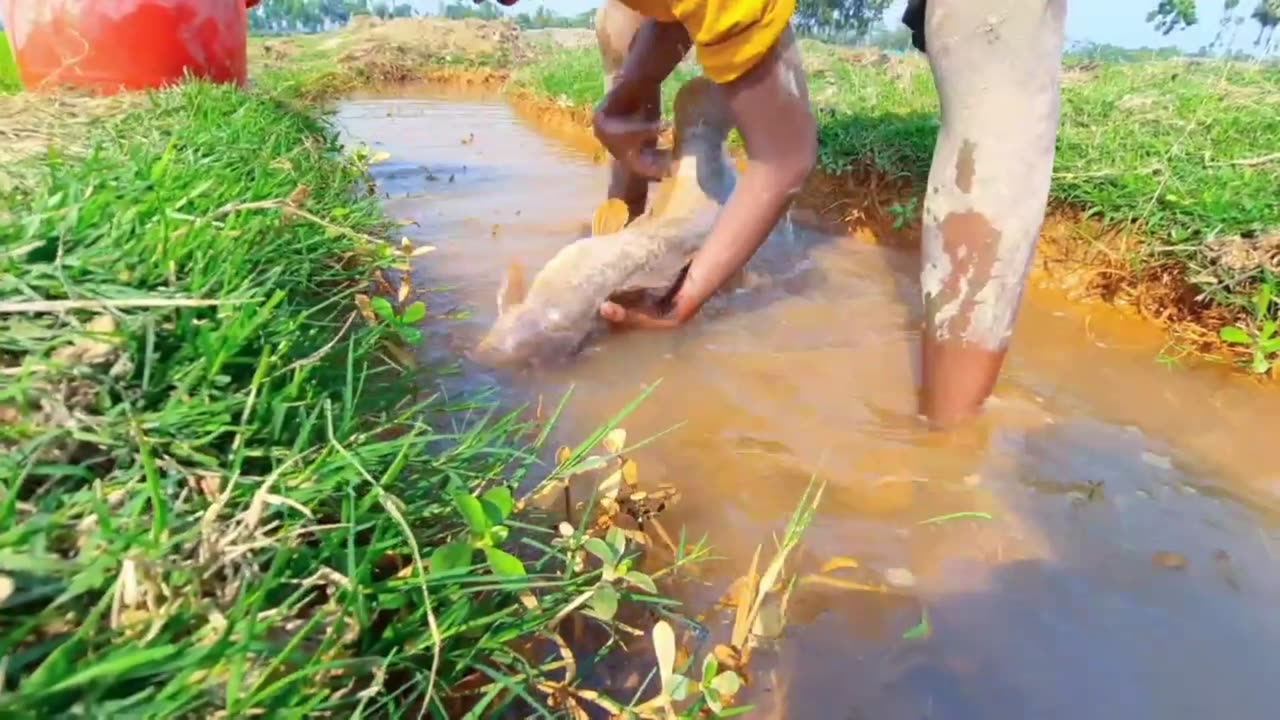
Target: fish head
{"points": [[525, 333], [702, 109]]}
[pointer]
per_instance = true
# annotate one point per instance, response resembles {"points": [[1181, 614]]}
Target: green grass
{"points": [[9, 81], [217, 495], [1182, 152]]}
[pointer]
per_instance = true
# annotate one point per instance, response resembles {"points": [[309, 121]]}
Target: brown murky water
{"points": [[1093, 460]]}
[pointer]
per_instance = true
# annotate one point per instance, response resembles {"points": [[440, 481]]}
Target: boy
{"points": [[996, 65]]}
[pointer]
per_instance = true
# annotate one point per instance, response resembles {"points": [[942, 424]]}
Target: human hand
{"points": [[620, 317], [628, 128]]}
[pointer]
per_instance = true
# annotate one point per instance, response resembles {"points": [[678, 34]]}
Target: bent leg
{"points": [[616, 26], [997, 66]]}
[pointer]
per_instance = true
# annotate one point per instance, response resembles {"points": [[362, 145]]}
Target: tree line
{"points": [[860, 22]]}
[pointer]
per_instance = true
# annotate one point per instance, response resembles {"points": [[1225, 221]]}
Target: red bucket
{"points": [[113, 45]]}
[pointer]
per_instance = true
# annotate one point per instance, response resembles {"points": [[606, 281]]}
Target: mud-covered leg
{"points": [[997, 67], [616, 26]]}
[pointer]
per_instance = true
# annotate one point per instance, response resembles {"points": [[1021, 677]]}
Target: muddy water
{"points": [[1128, 567]]}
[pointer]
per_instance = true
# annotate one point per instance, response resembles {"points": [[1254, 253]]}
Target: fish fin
{"points": [[512, 291], [610, 217]]}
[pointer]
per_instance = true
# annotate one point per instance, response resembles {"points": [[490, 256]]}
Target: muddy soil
{"points": [[1127, 568]]}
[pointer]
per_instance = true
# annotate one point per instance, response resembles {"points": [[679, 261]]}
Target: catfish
{"points": [[639, 264]]}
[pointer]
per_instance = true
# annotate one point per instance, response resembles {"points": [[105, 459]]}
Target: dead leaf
{"points": [[746, 593], [422, 250], [727, 657], [93, 349], [405, 289], [7, 586], [615, 441], [631, 473], [366, 308], [299, 195], [563, 455], [611, 485], [838, 563], [379, 157]]}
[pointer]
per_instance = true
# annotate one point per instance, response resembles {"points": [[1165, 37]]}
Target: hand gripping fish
{"points": [[560, 310]]}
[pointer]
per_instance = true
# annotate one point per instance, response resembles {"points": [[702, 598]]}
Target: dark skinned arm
{"points": [[770, 105], [627, 120]]}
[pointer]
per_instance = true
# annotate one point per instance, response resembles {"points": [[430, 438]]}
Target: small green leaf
{"points": [[709, 669], [498, 534], [1233, 334], [452, 556], [504, 563], [382, 308], [472, 512], [727, 683], [600, 549], [1262, 301], [679, 688], [713, 699], [411, 335], [414, 313], [1268, 329], [642, 581], [617, 541], [501, 499], [1270, 347], [604, 602], [1260, 363]]}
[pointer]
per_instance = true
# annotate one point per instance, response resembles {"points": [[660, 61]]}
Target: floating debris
{"points": [[1164, 462], [1169, 560], [973, 514], [900, 577], [922, 629]]}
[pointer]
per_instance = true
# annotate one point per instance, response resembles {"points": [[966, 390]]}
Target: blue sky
{"points": [[1119, 22]]}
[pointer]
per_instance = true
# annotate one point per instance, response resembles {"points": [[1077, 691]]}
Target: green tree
{"points": [[838, 17], [1267, 13]]}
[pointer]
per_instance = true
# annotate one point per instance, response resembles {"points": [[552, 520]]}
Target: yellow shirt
{"points": [[730, 36]]}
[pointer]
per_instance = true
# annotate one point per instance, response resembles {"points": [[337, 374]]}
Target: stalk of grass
{"points": [[9, 79], [219, 508]]}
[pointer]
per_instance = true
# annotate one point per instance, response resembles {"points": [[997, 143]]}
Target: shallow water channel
{"points": [[1129, 566]]}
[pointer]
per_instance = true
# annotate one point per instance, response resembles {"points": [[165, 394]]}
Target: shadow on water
{"points": [[1125, 570]]}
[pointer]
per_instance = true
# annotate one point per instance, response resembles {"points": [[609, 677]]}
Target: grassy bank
{"points": [[221, 491], [1165, 181]]}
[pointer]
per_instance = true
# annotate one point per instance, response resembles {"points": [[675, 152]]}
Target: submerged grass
{"points": [[1181, 156], [219, 492]]}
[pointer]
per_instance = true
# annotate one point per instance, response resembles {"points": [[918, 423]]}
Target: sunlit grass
{"points": [[9, 81], [217, 492]]}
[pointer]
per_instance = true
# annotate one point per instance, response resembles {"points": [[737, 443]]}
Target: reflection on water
{"points": [[1127, 570]]}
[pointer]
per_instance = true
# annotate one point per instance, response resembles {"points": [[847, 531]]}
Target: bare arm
{"points": [[771, 108], [627, 119]]}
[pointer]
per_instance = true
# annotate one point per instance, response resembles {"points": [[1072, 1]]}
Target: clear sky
{"points": [[1118, 22]]}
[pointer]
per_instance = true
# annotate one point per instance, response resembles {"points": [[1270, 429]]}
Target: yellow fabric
{"points": [[730, 36]]}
